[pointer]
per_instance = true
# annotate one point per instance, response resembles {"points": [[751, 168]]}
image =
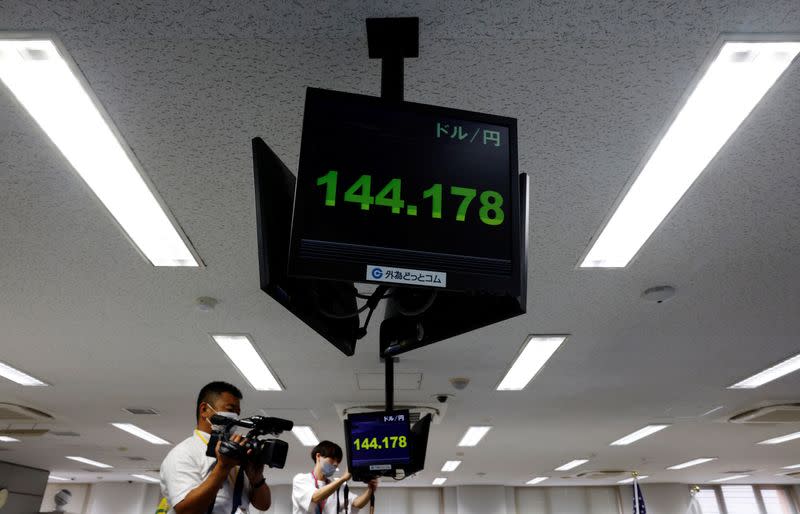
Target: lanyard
{"points": [[320, 504]]}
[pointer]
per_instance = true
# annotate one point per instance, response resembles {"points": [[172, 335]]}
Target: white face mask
{"points": [[225, 414]]}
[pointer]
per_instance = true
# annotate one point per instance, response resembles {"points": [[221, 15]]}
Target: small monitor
{"points": [[378, 443]]}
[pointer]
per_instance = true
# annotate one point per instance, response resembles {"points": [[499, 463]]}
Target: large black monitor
{"points": [[407, 194]]}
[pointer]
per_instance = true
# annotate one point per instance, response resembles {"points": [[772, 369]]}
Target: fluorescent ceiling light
{"points": [[18, 376], [734, 83], [691, 463], [48, 85], [536, 480], [782, 439], [768, 375], [58, 479], [6, 439], [90, 462], [138, 432], [535, 353], [147, 478], [639, 434], [473, 436], [629, 480], [439, 481], [572, 464], [734, 477], [242, 353], [793, 466], [305, 435], [451, 465]]}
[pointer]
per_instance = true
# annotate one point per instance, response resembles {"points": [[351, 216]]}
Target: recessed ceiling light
{"points": [[536, 480], [572, 464], [793, 466], [768, 375], [473, 436], [90, 462], [451, 465], [147, 478], [59, 479], [18, 376], [734, 477], [691, 463], [639, 434], [305, 435], [439, 481], [782, 439], [138, 432], [243, 355], [734, 83], [533, 356], [629, 480], [6, 439], [49, 86]]}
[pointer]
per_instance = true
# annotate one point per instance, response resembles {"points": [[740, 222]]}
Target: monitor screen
{"points": [[406, 193], [378, 443]]}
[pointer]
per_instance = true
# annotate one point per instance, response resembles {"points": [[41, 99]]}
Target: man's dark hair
{"points": [[210, 392], [327, 449]]}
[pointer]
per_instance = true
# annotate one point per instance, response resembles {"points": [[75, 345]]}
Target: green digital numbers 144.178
{"points": [[390, 196], [373, 443]]}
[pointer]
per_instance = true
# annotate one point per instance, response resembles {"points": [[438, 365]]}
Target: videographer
{"points": [[312, 492], [196, 484]]}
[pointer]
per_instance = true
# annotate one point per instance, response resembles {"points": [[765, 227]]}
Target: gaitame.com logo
{"points": [[377, 273]]}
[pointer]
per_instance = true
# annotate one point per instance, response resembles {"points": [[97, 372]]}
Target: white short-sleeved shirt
{"points": [[303, 487], [186, 466]]}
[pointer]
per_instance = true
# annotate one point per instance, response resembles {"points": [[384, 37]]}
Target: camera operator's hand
{"points": [[228, 463], [254, 471]]}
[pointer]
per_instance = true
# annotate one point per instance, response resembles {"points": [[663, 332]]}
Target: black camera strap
{"points": [[238, 490]]}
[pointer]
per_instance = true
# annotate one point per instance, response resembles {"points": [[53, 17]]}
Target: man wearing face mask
{"points": [[315, 493], [196, 484]]}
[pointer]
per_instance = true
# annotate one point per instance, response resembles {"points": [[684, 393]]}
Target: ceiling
{"points": [[592, 85]]}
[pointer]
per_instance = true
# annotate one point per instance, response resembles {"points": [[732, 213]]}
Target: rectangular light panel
{"points": [[473, 436], [734, 477], [58, 479], [6, 439], [439, 481], [537, 480], [782, 439], [147, 478], [572, 464], [768, 375], [451, 465], [138, 432], [90, 462], [535, 353], [639, 434], [305, 435], [733, 85], [793, 466], [18, 376], [695, 462], [242, 353], [43, 79]]}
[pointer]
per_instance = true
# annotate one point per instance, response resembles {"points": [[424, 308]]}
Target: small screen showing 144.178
{"points": [[381, 439]]}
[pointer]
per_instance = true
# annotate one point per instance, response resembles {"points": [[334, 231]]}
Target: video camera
{"points": [[267, 452]]}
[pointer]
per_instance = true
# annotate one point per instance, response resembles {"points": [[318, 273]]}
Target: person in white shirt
{"points": [[313, 492], [196, 484]]}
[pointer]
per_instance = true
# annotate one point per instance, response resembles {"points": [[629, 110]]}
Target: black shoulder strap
{"points": [[238, 489]]}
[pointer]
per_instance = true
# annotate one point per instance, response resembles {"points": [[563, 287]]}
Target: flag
{"points": [[638, 499], [694, 505]]}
